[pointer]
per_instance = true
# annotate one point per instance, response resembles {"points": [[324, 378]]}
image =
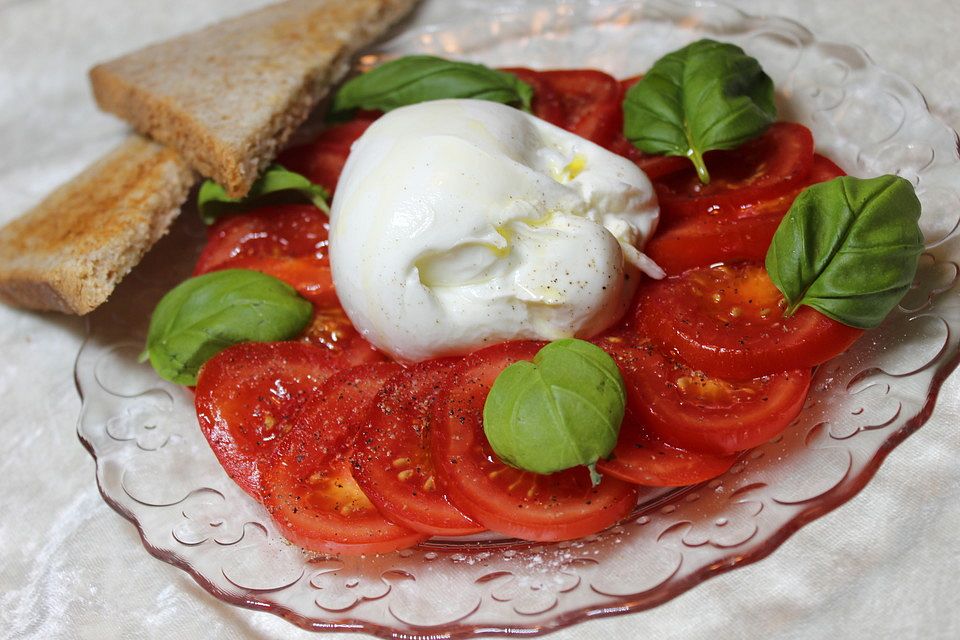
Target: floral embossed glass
{"points": [[155, 468]]}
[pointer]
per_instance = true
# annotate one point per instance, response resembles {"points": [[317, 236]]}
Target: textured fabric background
{"points": [[884, 565]]}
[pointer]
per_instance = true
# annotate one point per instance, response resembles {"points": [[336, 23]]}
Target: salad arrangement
{"points": [[352, 452]]}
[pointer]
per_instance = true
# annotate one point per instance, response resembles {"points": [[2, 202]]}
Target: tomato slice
{"points": [[290, 243], [590, 103], [308, 486], [761, 169], [654, 166], [546, 103], [392, 460], [247, 397], [559, 506], [697, 241], [642, 458], [268, 232], [322, 160], [332, 329], [340, 406], [728, 321], [311, 279], [689, 409]]}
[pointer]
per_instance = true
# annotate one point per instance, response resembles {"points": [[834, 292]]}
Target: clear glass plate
{"points": [[154, 467]]}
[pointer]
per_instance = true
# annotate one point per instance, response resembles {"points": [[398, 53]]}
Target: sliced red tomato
{"points": [[247, 397], [310, 278], [697, 241], [308, 484], [728, 321], [392, 460], [290, 243], [546, 103], [589, 101], [332, 329], [322, 160], [654, 166], [340, 406], [559, 506], [293, 231], [642, 458], [689, 409], [762, 169]]}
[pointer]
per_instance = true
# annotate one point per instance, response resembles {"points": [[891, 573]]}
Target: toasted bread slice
{"points": [[70, 251], [228, 96]]}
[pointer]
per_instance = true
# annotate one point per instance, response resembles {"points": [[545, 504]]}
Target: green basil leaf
{"points": [[415, 79], [708, 95], [848, 248], [562, 410], [204, 315], [275, 186]]}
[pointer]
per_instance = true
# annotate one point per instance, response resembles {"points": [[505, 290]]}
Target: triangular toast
{"points": [[70, 251], [227, 97]]}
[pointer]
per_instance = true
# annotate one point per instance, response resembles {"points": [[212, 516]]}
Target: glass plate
{"points": [[154, 467]]}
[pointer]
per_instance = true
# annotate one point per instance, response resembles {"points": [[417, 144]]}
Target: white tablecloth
{"points": [[884, 565]]}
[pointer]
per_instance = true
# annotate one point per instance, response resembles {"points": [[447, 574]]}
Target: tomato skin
{"points": [[309, 489], [276, 231], [247, 397], [761, 169], [559, 506], [392, 461], [728, 321], [322, 160], [690, 410], [699, 241]]}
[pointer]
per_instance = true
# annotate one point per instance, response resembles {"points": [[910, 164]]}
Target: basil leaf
{"points": [[848, 248], [204, 315], [562, 410], [415, 79], [275, 186], [708, 95]]}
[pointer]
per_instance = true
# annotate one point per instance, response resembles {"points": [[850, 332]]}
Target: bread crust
{"points": [[227, 97], [69, 252]]}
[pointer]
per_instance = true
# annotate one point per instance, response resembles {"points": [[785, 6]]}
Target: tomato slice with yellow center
{"points": [[248, 397], [760, 169], [392, 459], [309, 486], [289, 242], [683, 243], [558, 506], [671, 404], [729, 321]]}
